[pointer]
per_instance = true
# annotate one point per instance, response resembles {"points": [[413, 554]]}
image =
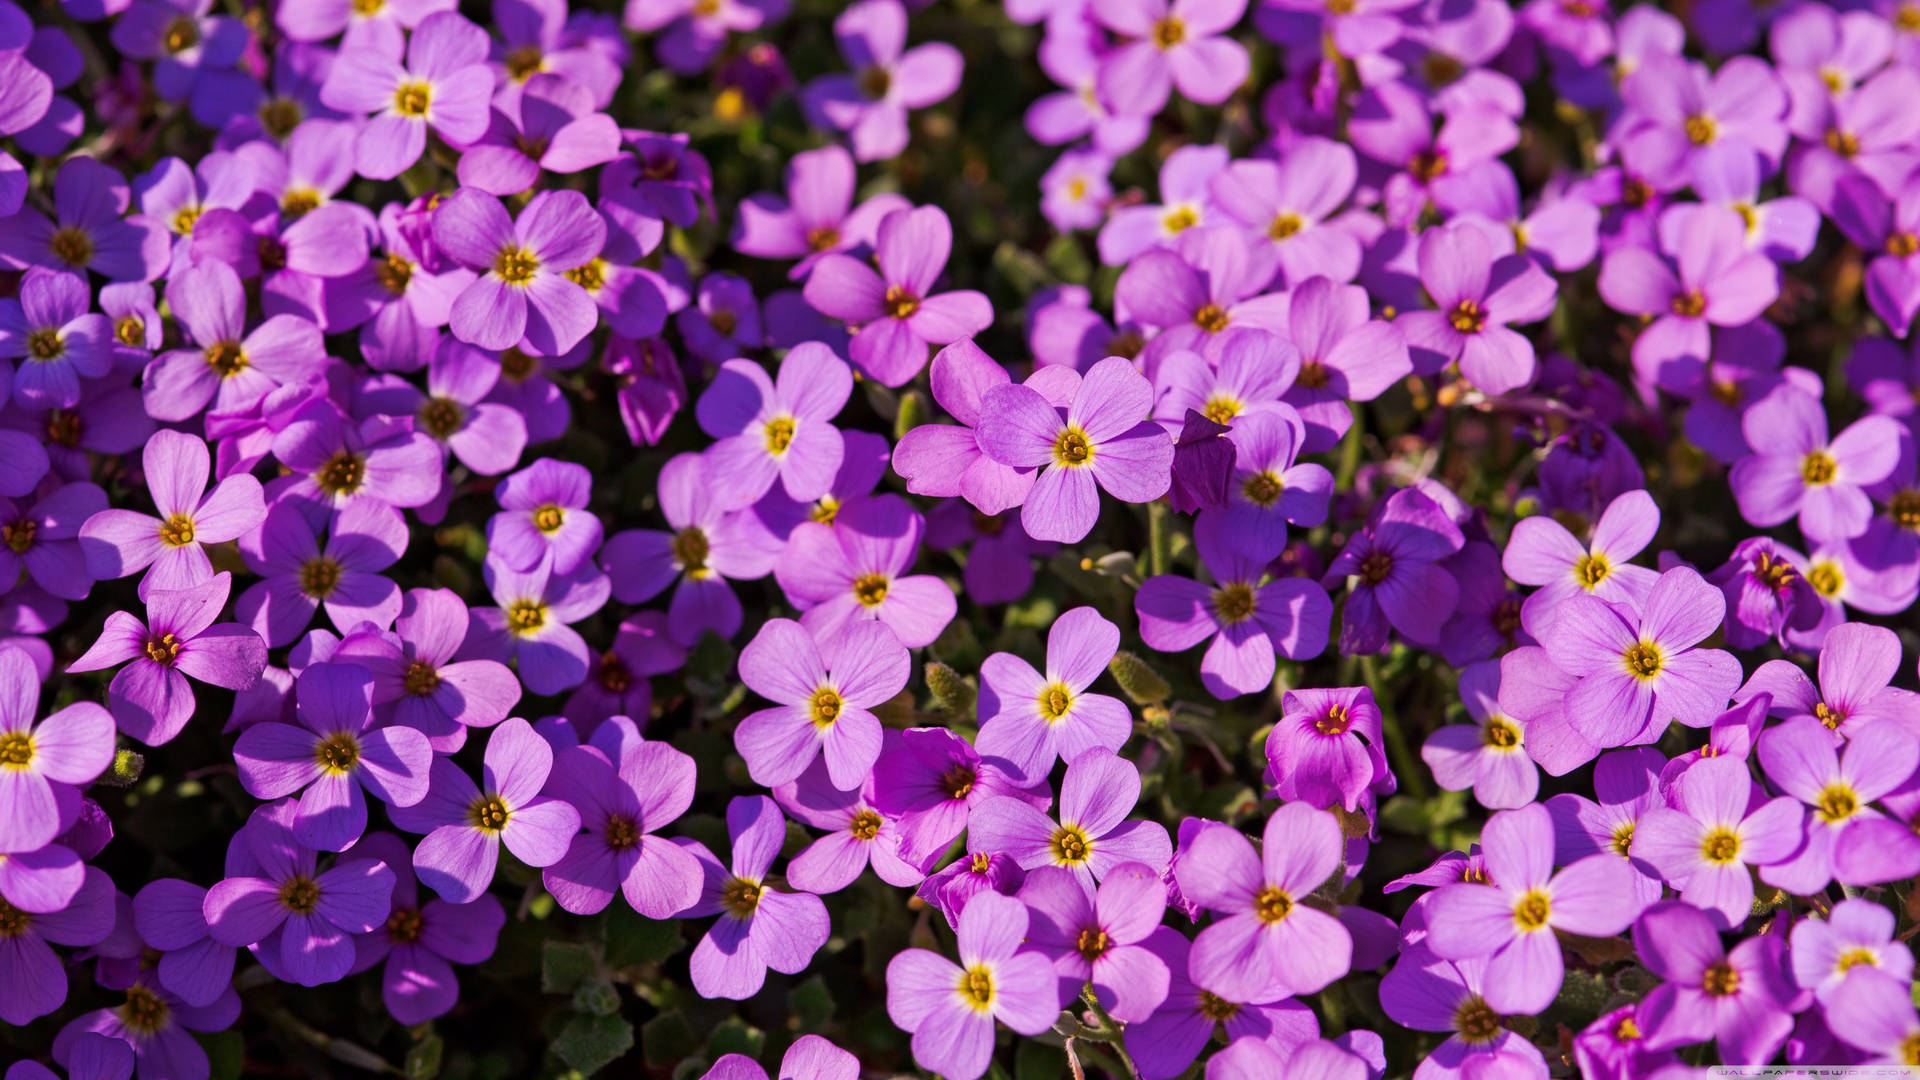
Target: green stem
{"points": [[1350, 449], [1405, 765], [1159, 538], [1111, 1029]]}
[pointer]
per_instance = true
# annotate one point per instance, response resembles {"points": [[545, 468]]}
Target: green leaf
{"points": [[564, 965], [590, 1043], [666, 1039], [634, 939], [226, 1053], [597, 997], [1038, 1061], [735, 1037], [811, 1003]]}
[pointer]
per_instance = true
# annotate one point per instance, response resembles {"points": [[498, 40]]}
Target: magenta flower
{"points": [[1092, 836], [858, 835], [894, 309], [1542, 552], [945, 460], [419, 943], [626, 789], [824, 688], [1248, 621], [1639, 671], [89, 203], [871, 103], [1857, 662], [1475, 297], [1345, 356], [525, 290], [1800, 758], [150, 698], [1181, 44], [1876, 1014], [811, 1057], [230, 368], [1489, 755], [855, 571], [1391, 566], [759, 927], [444, 85], [1295, 204], [1737, 998], [1854, 940], [48, 761], [1264, 942], [297, 918], [544, 515], [767, 429], [552, 126], [59, 341], [300, 575], [1711, 280], [1678, 110], [416, 680], [1427, 993], [931, 779], [119, 542], [1031, 720], [1513, 920], [1326, 747], [465, 824], [950, 1008], [1797, 470], [1165, 1044], [1104, 441], [170, 915], [532, 624], [37, 979], [1627, 786], [818, 216], [332, 756], [1705, 840], [1098, 938], [485, 436]]}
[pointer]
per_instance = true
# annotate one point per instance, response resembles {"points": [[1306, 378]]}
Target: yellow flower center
{"points": [[413, 98], [181, 34], [1212, 318], [525, 62], [226, 358], [1837, 803], [145, 1014], [1334, 721], [1271, 905], [164, 649], [1720, 980], [549, 518], [779, 433], [871, 589], [1701, 129], [319, 577], [1285, 224], [590, 275], [958, 780], [395, 272], [1720, 846], [740, 897], [525, 617], [1055, 702], [824, 707], [72, 245], [1622, 841], [899, 303], [1467, 317], [1092, 943], [16, 750], [1475, 1022], [1169, 32], [1854, 957], [1643, 660], [177, 531], [865, 825], [1531, 911], [1072, 448], [489, 813], [300, 894], [1591, 570], [1071, 845], [1179, 219], [1234, 602], [1818, 468], [1499, 733], [342, 474], [976, 988], [338, 753], [515, 265]]}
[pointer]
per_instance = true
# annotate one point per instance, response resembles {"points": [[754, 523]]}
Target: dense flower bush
{"points": [[1151, 539]]}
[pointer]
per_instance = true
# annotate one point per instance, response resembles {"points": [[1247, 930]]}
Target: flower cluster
{"points": [[1386, 558]]}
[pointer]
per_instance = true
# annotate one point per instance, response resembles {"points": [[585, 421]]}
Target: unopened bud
{"points": [[951, 692], [127, 766], [913, 413], [1143, 684]]}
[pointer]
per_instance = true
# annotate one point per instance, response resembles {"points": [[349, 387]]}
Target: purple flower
{"points": [[1475, 297], [1857, 662], [1294, 203], [1092, 836], [817, 217], [1513, 920], [855, 571], [1796, 469], [1165, 1044], [696, 32], [1099, 938], [617, 682], [331, 756], [895, 310], [1801, 759], [154, 1024], [857, 835], [170, 915], [931, 779], [871, 104], [186, 43], [231, 369], [544, 515], [1704, 842], [767, 430], [531, 623], [35, 980], [1767, 594], [552, 126], [526, 289], [418, 944], [707, 548], [300, 575], [1712, 280], [1426, 993], [759, 927], [1031, 720], [1104, 441], [58, 341], [1488, 755], [823, 688], [297, 919], [1677, 111], [1627, 785], [1245, 371], [1855, 939], [465, 823], [1542, 552], [1269, 488], [486, 436], [950, 1008], [1326, 747], [1738, 998], [46, 763], [1639, 671], [811, 1057], [626, 789], [119, 542], [88, 231], [416, 680], [150, 698], [1394, 579], [1265, 943], [1247, 620], [945, 460], [332, 462], [1182, 44], [444, 85]]}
